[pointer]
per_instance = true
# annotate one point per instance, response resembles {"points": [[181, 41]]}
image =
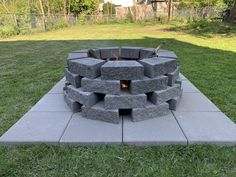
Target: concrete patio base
{"points": [[196, 121]]}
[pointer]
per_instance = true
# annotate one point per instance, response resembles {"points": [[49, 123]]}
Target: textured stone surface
{"points": [[83, 131], [150, 111], [130, 52], [162, 96], [207, 128], [73, 56], [146, 53], [167, 54], [37, 127], [73, 105], [148, 84], [154, 67], [81, 51], [98, 112], [85, 98], [86, 67], [125, 100], [160, 131], [172, 77], [94, 53], [101, 86], [174, 102], [73, 79], [109, 52], [122, 70]]}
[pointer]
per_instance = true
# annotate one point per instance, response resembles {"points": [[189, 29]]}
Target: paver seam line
{"points": [[47, 111], [180, 128], [122, 132], [65, 128]]}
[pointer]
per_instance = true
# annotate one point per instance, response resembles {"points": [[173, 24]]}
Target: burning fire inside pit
{"points": [[124, 84], [107, 83]]}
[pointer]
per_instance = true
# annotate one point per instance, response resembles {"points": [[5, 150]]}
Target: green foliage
{"points": [[83, 6], [109, 8], [200, 3], [230, 2], [6, 31]]}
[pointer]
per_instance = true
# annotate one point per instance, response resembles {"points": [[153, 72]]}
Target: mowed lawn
{"points": [[30, 65]]}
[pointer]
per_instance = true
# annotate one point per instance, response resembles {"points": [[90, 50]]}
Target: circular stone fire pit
{"points": [[106, 83]]}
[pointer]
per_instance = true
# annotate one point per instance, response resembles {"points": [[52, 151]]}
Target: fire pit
{"points": [[106, 83]]}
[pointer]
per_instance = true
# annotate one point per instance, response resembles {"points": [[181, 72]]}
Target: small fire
{"points": [[124, 84]]}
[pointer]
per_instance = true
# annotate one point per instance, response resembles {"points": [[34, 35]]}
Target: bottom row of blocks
{"points": [[99, 112]]}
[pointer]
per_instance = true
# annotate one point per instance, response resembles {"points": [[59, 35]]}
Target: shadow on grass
{"points": [[207, 28], [28, 69]]}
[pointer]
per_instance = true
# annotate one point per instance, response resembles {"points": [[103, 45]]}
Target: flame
{"points": [[124, 85]]}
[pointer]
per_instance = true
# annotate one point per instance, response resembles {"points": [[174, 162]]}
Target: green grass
{"points": [[31, 65]]}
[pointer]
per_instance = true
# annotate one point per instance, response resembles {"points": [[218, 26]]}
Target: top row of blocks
{"points": [[134, 53]]}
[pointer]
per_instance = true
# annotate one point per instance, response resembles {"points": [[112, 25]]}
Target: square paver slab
{"points": [[37, 127], [207, 127], [58, 88], [189, 87], [84, 131], [198, 102], [158, 131], [51, 102]]}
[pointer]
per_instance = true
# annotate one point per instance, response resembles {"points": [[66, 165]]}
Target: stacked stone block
{"points": [[95, 77]]}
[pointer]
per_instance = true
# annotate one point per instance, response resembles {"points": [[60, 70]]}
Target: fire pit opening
{"points": [[124, 84], [125, 112]]}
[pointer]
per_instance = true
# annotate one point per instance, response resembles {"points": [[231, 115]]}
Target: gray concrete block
{"points": [[158, 131], [51, 102], [174, 102], [73, 56], [125, 101], [85, 98], [167, 54], [81, 131], [86, 67], [173, 76], [73, 105], [146, 53], [154, 67], [81, 51], [193, 101], [162, 96], [130, 52], [73, 79], [150, 111], [207, 128], [101, 86], [94, 53], [179, 81], [109, 52], [98, 112], [148, 84], [37, 127], [122, 70]]}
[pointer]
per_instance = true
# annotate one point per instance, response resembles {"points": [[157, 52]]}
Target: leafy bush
{"points": [[6, 31]]}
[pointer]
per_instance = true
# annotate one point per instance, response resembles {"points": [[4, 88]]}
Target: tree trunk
{"points": [[64, 9], [232, 16], [43, 14], [170, 10]]}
